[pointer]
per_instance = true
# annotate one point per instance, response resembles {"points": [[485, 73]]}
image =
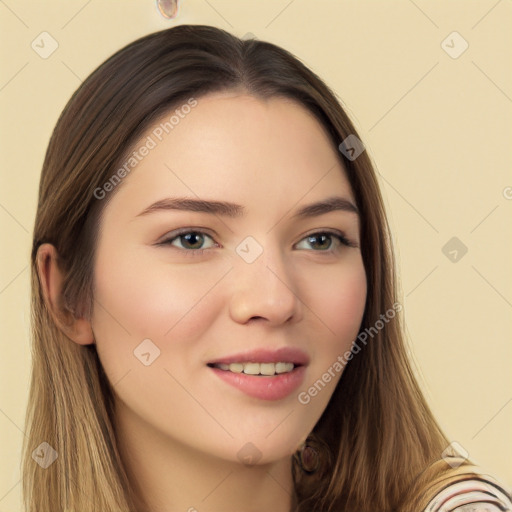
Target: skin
{"points": [[180, 427]]}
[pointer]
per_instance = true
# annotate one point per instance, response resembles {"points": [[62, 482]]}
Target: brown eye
{"points": [[192, 240], [321, 241], [188, 240]]}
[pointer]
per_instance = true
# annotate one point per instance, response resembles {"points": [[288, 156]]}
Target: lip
{"points": [[265, 387], [284, 354]]}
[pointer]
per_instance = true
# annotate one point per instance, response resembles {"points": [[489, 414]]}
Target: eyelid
{"points": [[183, 231]]}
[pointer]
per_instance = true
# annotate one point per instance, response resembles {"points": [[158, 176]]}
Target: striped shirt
{"points": [[473, 494]]}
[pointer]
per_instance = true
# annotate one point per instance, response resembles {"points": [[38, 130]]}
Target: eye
{"points": [[323, 240], [192, 241], [189, 240]]}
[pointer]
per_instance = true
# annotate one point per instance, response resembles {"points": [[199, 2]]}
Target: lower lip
{"points": [[264, 387]]}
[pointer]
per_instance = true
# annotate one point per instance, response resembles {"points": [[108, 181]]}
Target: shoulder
{"points": [[471, 493]]}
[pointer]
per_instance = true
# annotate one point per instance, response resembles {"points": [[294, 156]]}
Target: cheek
{"points": [[338, 300], [170, 305], [150, 298], [338, 308]]}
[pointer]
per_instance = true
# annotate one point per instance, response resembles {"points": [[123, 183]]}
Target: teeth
{"points": [[251, 368], [284, 367], [267, 369], [236, 367]]}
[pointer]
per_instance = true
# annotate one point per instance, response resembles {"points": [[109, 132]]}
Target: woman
{"points": [[215, 315]]}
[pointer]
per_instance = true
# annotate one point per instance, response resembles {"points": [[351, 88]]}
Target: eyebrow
{"points": [[233, 210]]}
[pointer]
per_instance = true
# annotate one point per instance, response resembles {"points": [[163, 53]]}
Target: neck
{"points": [[168, 476]]}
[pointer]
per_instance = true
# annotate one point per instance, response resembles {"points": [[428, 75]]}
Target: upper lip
{"points": [[285, 354]]}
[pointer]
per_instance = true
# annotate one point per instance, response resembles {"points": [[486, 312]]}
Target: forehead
{"points": [[234, 146]]}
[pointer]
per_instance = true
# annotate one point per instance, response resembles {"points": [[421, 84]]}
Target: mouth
{"points": [[251, 368], [263, 374]]}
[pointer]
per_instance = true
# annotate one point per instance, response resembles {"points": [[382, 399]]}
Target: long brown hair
{"points": [[378, 437]]}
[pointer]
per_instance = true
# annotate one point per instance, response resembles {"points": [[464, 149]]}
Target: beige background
{"points": [[437, 127]]}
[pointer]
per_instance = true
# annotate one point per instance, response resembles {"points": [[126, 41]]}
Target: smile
{"points": [[263, 373], [251, 368]]}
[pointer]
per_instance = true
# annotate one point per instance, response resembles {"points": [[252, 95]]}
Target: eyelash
{"points": [[198, 252]]}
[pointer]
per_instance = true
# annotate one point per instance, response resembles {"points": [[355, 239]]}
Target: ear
{"points": [[78, 330]]}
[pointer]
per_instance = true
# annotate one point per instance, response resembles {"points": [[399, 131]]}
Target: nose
{"points": [[264, 290]]}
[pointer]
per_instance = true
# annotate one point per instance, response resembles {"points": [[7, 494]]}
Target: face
{"points": [[184, 300]]}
